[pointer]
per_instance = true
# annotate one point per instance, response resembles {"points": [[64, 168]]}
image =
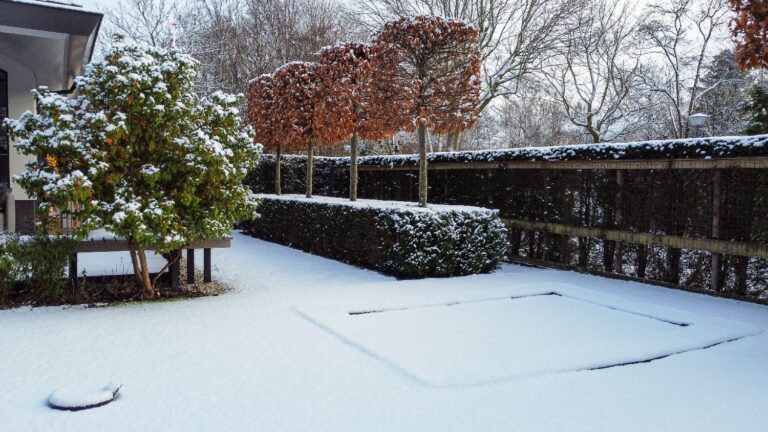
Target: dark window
{"points": [[4, 141]]}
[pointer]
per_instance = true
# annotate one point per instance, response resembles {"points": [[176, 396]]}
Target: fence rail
{"points": [[647, 239]]}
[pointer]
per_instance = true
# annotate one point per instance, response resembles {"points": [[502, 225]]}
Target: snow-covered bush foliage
{"points": [[396, 238], [139, 153]]}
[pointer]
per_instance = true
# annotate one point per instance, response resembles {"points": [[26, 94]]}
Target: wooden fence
{"points": [[695, 223]]}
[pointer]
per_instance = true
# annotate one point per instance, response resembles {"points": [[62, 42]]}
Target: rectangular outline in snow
{"points": [[549, 293], [427, 306]]}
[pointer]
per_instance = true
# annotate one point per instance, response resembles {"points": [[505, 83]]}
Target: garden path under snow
{"points": [[305, 343]]}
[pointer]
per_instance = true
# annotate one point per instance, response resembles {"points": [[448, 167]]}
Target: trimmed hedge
{"points": [[395, 238]]}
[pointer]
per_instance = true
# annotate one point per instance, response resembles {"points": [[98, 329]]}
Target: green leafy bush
{"points": [[7, 261], [399, 239], [34, 269]]}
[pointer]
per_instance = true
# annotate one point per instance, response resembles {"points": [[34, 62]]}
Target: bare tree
{"points": [[144, 21], [595, 76], [532, 119], [235, 40], [681, 34], [730, 88], [515, 36]]}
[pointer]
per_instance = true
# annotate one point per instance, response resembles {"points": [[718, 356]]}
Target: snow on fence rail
{"points": [[700, 152], [684, 212]]}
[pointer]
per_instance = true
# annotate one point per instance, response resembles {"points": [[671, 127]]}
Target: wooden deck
{"points": [[111, 244]]}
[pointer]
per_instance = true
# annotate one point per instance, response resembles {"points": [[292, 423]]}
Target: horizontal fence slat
{"points": [[119, 245], [700, 244], [628, 164]]}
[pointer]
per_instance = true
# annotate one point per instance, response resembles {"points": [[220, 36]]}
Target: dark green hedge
{"points": [[396, 239]]}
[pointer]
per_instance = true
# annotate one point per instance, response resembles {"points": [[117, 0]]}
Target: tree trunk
{"points": [[422, 166], [148, 291], [353, 168], [278, 155], [135, 262], [454, 141], [309, 169]]}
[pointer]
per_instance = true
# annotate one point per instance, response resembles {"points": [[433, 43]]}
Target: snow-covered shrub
{"points": [[139, 153], [396, 238]]}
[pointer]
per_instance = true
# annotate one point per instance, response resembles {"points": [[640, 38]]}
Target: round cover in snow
{"points": [[83, 396]]}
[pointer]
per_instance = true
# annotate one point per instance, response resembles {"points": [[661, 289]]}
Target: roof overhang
{"points": [[54, 41]]}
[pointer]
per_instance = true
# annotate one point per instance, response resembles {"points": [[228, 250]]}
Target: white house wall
{"points": [[21, 81]]}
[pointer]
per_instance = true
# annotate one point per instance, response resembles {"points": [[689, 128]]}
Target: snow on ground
{"points": [[282, 352], [114, 263]]}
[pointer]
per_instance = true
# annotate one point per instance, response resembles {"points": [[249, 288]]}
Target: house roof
{"points": [[54, 39]]}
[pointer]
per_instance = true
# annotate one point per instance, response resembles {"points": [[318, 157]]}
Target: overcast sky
{"points": [[99, 4]]}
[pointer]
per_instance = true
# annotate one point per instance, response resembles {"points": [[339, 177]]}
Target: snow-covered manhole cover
{"points": [[482, 341], [82, 396]]}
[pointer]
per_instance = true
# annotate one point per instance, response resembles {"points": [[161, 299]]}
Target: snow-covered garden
{"points": [[308, 343], [301, 342]]}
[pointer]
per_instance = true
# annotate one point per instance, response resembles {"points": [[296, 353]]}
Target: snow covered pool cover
{"points": [[486, 340]]}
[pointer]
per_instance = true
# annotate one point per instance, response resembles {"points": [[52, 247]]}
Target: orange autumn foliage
{"points": [[750, 29], [439, 60]]}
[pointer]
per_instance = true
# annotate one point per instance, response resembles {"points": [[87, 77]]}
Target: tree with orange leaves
{"points": [[441, 60], [298, 89], [261, 117], [750, 28], [358, 101]]}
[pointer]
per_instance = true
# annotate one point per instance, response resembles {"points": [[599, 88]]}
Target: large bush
{"points": [[138, 153], [399, 239]]}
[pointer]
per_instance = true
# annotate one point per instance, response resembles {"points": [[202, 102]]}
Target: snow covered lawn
{"points": [[305, 343], [484, 341]]}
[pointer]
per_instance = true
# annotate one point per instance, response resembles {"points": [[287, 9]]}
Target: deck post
{"points": [[190, 266], [206, 265], [73, 270], [175, 269]]}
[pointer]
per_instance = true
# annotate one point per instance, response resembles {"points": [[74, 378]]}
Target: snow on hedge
{"points": [[393, 207], [397, 238], [692, 148]]}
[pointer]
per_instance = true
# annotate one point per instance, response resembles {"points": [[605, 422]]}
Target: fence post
{"points": [[716, 257], [190, 266], [175, 269], [73, 270], [618, 216], [206, 265]]}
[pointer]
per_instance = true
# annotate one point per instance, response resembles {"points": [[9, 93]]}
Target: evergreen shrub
{"points": [[34, 269], [395, 238]]}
